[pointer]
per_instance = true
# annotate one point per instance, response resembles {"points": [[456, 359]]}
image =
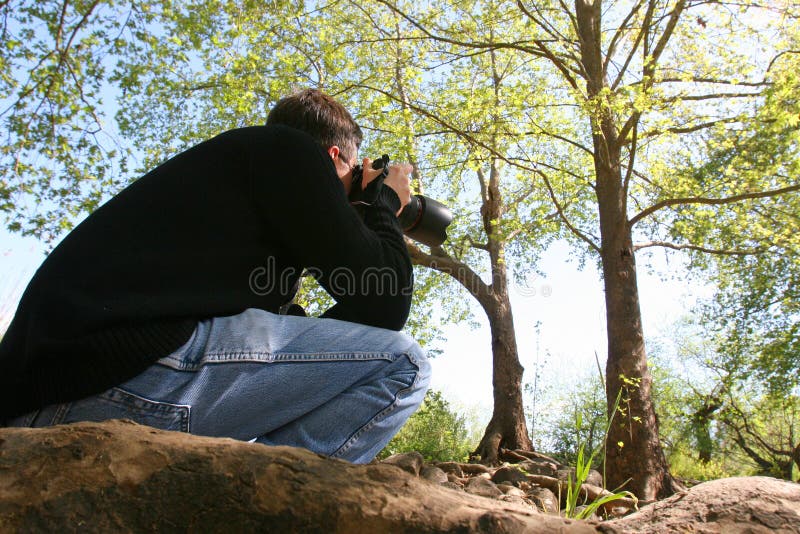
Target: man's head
{"points": [[326, 120]]}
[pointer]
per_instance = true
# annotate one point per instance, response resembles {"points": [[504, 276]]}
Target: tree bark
{"points": [[635, 460], [507, 429]]}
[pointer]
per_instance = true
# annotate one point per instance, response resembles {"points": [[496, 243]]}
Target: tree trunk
{"points": [[507, 428], [634, 458], [701, 427]]}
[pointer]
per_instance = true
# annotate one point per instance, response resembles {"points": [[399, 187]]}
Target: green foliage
{"points": [[57, 159], [436, 431], [578, 422], [582, 467], [716, 420]]}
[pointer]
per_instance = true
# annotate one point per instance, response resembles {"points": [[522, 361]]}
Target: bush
{"points": [[436, 431]]}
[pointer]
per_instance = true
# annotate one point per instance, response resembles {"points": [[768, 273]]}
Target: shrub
{"points": [[436, 431]]}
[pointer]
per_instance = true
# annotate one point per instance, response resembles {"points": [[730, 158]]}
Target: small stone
{"points": [[511, 490], [540, 467], [509, 475], [452, 468], [434, 474], [566, 474], [516, 499], [453, 486], [410, 462], [544, 499], [474, 469], [594, 478], [483, 487]]}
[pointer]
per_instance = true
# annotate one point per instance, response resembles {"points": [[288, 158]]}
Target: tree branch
{"points": [[710, 96], [563, 216], [675, 246], [440, 261], [518, 45], [690, 129], [632, 52], [711, 201]]}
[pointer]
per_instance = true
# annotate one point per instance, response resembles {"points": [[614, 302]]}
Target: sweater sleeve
{"points": [[362, 263]]}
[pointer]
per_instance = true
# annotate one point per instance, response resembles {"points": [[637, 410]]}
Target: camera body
{"points": [[423, 219]]}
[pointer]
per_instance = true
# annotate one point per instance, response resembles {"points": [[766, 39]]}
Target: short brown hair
{"points": [[319, 115]]}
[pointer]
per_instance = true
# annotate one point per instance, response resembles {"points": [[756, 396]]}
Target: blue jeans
{"points": [[336, 388]]}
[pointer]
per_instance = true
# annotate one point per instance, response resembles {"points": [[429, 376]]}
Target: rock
{"points": [[433, 474], [538, 467], [451, 468], [509, 475], [758, 505], [474, 469], [410, 462], [121, 477], [544, 499], [593, 477], [516, 499], [483, 487], [511, 490], [453, 486]]}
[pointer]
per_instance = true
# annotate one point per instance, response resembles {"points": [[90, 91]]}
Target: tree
{"points": [[619, 97], [638, 79], [58, 159]]}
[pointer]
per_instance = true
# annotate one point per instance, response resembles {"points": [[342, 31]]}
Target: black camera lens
{"points": [[425, 220]]}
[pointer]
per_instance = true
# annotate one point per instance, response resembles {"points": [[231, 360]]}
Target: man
{"points": [[162, 306]]}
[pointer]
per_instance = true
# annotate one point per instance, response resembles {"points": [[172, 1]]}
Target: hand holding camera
{"points": [[397, 177], [423, 219]]}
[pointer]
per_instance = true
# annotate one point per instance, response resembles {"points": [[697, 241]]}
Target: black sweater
{"points": [[225, 226]]}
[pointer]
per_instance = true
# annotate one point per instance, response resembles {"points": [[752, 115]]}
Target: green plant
{"points": [[582, 467], [436, 431]]}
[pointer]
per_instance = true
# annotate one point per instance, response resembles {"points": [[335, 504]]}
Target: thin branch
{"points": [[771, 63], [712, 201], [563, 216], [634, 48], [710, 96], [665, 37], [612, 46], [714, 81], [690, 129], [561, 138], [722, 252], [518, 45], [540, 22]]}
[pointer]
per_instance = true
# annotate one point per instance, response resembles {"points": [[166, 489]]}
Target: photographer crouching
{"points": [[147, 311]]}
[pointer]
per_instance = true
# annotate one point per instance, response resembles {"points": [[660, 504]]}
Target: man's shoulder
{"points": [[278, 132]]}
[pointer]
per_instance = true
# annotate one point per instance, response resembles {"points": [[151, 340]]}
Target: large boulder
{"points": [[753, 505], [121, 477]]}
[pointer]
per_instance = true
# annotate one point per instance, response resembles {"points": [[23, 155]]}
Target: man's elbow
{"points": [[391, 314]]}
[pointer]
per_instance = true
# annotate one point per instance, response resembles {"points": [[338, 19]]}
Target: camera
{"points": [[423, 219]]}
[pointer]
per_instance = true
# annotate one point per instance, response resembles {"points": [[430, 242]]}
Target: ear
{"points": [[334, 152]]}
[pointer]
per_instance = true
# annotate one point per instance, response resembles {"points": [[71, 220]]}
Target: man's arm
{"points": [[363, 264]]}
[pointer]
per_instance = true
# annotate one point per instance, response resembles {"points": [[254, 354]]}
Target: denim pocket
{"points": [[116, 403]]}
